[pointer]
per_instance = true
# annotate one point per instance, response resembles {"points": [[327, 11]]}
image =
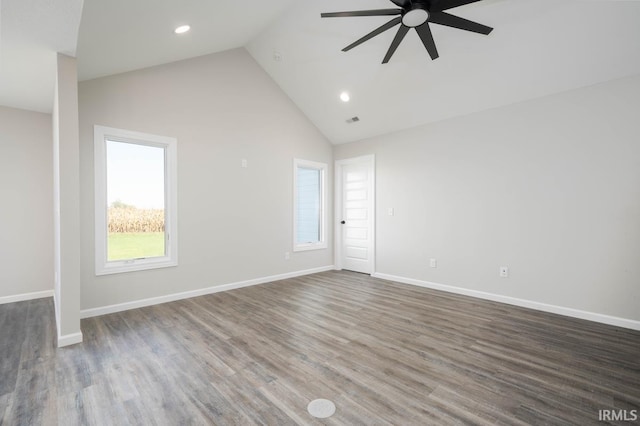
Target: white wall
{"points": [[549, 188], [66, 202], [26, 260], [235, 224]]}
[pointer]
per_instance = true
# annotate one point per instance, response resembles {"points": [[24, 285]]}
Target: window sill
{"points": [[309, 247], [134, 265]]}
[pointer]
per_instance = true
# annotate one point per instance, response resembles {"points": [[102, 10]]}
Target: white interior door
{"points": [[355, 214]]}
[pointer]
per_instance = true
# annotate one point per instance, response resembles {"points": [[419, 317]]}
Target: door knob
{"points": [[343, 222]]}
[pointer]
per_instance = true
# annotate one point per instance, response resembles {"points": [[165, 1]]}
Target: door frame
{"points": [[370, 161]]}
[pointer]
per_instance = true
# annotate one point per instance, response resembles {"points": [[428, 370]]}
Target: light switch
{"points": [[244, 163], [390, 211]]}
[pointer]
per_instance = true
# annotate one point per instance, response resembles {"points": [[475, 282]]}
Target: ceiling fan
{"points": [[416, 14]]}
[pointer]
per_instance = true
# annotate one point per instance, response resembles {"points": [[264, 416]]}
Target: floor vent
{"points": [[321, 408]]}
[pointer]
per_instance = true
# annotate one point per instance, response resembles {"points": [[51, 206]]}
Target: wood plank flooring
{"points": [[385, 353]]}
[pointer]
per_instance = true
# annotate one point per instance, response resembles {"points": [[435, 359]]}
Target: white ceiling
{"points": [[538, 47], [31, 32], [124, 35]]}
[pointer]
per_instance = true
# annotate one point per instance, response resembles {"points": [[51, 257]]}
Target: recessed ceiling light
{"points": [[182, 29], [344, 97]]}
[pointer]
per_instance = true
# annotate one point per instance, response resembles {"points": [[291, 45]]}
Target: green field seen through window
{"points": [[135, 245]]}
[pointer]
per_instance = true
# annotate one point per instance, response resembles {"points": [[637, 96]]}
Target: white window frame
{"points": [[322, 167], [169, 144]]}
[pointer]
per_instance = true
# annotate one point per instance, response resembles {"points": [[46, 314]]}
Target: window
{"points": [[135, 191], [309, 205]]}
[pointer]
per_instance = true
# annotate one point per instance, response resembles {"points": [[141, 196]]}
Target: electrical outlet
{"points": [[287, 255], [243, 163], [504, 272], [433, 263]]}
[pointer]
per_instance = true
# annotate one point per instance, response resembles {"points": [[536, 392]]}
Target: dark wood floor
{"points": [[385, 353]]}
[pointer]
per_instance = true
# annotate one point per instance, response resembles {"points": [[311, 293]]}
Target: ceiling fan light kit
{"points": [[416, 14], [415, 17]]}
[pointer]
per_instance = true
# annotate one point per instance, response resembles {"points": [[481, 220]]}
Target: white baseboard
{"points": [[569, 312], [26, 296], [103, 310], [65, 339], [69, 339]]}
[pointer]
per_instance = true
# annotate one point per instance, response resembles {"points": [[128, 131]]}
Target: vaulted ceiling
{"points": [[537, 48], [31, 32]]}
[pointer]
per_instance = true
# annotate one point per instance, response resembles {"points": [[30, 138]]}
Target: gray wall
{"points": [[549, 188], [235, 223], [26, 202]]}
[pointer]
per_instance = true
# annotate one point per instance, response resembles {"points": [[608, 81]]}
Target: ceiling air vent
{"points": [[353, 120]]}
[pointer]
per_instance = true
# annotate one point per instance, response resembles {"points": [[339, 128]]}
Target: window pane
{"points": [[135, 200], [309, 208]]}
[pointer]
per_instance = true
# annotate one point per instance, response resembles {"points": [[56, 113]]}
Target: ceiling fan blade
{"points": [[427, 39], [441, 5], [402, 31], [377, 12], [444, 18], [374, 33]]}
